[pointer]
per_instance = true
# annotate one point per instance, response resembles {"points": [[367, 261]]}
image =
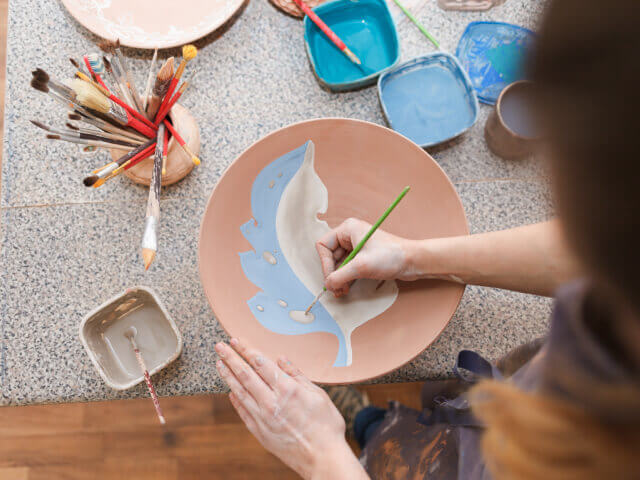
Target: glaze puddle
{"points": [[429, 99], [268, 256], [301, 317], [155, 339]]}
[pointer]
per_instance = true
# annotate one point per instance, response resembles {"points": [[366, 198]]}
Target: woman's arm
{"points": [[531, 259], [290, 416]]}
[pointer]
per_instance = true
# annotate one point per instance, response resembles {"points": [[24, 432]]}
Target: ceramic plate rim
{"points": [[323, 120], [70, 7], [424, 59], [361, 82], [470, 26]]}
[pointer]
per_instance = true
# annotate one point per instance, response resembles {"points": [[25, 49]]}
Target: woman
{"points": [[570, 409]]}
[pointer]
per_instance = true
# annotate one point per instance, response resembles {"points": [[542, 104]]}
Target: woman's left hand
{"points": [[290, 416]]}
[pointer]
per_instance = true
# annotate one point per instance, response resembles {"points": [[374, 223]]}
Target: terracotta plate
{"points": [[152, 23], [364, 166]]}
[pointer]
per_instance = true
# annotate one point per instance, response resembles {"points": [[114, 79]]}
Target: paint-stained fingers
{"points": [[245, 374], [266, 368], [338, 282], [326, 258], [237, 389], [290, 369], [244, 414]]}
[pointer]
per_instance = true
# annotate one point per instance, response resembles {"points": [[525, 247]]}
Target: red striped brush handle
{"points": [[140, 156], [174, 132], [94, 74], [133, 112], [167, 98], [321, 25], [152, 391], [139, 126], [165, 147], [165, 111]]}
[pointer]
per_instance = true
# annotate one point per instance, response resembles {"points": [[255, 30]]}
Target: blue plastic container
{"points": [[428, 99], [493, 54], [366, 27]]}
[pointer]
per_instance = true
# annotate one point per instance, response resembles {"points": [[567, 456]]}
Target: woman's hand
{"points": [[383, 257], [290, 416]]}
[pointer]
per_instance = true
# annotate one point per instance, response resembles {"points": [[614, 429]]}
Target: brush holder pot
{"points": [[179, 164], [510, 131]]}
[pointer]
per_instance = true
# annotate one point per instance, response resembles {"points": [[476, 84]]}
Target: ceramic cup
{"points": [[179, 164], [510, 132]]}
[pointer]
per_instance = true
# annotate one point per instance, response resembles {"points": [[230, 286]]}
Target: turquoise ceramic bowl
{"points": [[366, 27], [429, 99]]}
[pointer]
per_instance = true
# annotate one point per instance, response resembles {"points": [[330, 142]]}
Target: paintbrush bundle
{"points": [[102, 97]]}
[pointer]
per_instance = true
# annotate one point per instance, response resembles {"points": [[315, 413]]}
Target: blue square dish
{"points": [[366, 27], [428, 99], [493, 54]]}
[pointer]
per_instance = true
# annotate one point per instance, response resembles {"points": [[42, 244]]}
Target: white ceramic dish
{"points": [[152, 23], [96, 323]]}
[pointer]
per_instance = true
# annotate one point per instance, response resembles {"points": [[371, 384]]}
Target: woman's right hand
{"points": [[383, 257]]}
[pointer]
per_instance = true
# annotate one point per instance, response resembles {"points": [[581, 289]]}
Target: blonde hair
{"points": [[536, 436]]}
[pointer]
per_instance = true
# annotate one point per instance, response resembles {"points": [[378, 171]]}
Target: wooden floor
{"points": [[122, 440]]}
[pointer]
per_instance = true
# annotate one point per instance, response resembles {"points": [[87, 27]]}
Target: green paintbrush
{"points": [[418, 24], [355, 251]]}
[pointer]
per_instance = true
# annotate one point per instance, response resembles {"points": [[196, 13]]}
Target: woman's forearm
{"points": [[531, 259], [338, 462]]}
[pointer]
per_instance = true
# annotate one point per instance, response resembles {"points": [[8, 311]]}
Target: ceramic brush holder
{"points": [[179, 164]]}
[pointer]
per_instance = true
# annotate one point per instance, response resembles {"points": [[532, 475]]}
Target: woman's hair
{"points": [[586, 67]]}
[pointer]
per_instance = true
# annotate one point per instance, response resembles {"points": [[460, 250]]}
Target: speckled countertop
{"points": [[66, 248]]}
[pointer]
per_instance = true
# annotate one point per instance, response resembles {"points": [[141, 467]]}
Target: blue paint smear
{"points": [[428, 99], [494, 54], [278, 281], [366, 27]]}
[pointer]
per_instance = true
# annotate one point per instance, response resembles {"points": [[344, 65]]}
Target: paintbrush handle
{"points": [[321, 25], [147, 379], [374, 227]]}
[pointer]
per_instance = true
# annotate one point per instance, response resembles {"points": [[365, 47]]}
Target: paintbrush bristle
{"points": [[40, 75], [189, 52], [117, 44], [75, 63], [147, 256], [53, 136], [107, 63], [90, 180], [166, 71], [74, 116], [71, 126], [89, 96], [40, 125], [39, 85], [107, 46]]}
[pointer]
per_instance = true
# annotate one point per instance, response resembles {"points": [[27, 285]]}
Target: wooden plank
{"points": [[407, 393], [50, 449], [41, 419], [17, 473], [119, 469], [125, 415]]}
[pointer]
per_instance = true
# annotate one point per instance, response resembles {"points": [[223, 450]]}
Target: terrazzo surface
{"points": [[66, 248]]}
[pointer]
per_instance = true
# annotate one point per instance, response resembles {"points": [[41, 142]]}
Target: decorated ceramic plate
{"points": [[152, 23], [258, 263]]}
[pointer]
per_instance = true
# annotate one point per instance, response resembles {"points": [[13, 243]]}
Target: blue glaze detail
{"points": [[428, 99], [367, 28], [279, 281], [493, 53]]}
